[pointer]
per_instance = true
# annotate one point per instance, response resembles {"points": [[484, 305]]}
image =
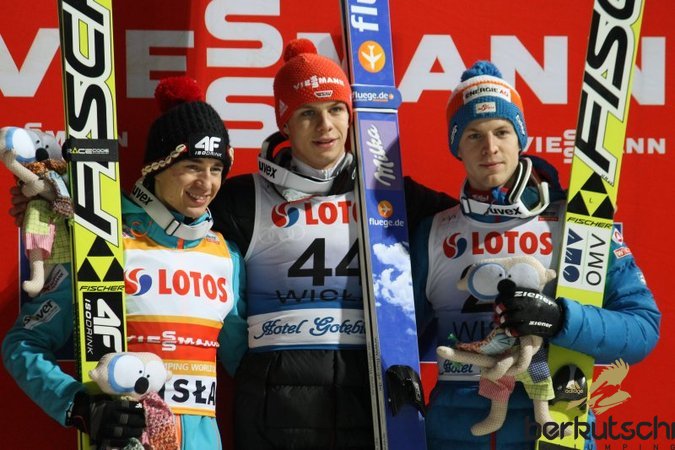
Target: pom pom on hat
{"points": [[173, 91], [307, 77], [483, 94], [185, 127], [297, 47]]}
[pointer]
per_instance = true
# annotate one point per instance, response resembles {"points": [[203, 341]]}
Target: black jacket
{"points": [[303, 399]]}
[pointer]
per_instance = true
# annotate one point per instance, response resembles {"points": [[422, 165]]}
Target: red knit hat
{"points": [[307, 77]]}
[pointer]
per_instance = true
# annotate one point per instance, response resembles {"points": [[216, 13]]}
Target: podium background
{"points": [[233, 48]]}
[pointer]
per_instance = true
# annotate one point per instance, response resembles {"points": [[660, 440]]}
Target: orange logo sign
{"points": [[371, 56], [385, 209]]}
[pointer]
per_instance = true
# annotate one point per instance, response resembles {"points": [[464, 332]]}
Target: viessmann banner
{"points": [[234, 48]]}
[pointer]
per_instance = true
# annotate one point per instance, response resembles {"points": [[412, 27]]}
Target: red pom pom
{"points": [[297, 47], [173, 91]]}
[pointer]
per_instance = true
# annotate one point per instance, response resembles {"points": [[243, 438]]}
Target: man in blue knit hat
{"points": [[508, 210]]}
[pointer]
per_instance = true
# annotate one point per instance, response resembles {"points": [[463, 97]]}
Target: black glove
{"points": [[105, 420], [523, 311]]}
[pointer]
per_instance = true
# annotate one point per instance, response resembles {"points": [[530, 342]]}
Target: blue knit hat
{"points": [[483, 94]]}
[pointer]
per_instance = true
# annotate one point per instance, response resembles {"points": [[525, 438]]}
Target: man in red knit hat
{"points": [[304, 382]]}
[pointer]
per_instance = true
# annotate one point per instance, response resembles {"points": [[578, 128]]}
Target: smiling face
{"points": [[318, 132], [189, 185], [489, 150]]}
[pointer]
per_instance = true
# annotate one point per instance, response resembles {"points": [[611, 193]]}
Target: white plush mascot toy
{"points": [[139, 376], [35, 159], [504, 359]]}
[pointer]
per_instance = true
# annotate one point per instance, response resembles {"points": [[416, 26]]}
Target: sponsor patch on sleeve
{"points": [[44, 314], [621, 252]]}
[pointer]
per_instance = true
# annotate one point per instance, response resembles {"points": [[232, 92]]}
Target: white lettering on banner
{"points": [[270, 39], [420, 77], [649, 79], [257, 113], [565, 145], [141, 61], [24, 82]]}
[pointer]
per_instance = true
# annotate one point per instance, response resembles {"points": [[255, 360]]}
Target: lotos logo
{"points": [[136, 282], [454, 246], [284, 216], [527, 242], [323, 213]]}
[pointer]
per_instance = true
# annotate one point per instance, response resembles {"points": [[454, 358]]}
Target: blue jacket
{"points": [[45, 324], [626, 327]]}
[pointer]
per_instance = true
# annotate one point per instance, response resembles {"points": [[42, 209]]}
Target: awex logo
{"points": [[102, 331]]}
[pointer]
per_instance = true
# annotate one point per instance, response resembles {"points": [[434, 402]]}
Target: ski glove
{"points": [[524, 311], [113, 422]]}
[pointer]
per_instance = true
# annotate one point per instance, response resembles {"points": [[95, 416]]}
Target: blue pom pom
{"points": [[481, 68]]}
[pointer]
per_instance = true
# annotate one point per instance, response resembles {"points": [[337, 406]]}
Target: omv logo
{"points": [[136, 282], [285, 216], [454, 246]]}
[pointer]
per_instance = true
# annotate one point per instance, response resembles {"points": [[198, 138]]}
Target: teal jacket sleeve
{"points": [[233, 337], [627, 327], [28, 350]]}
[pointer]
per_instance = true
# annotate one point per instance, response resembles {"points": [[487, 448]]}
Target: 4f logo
{"points": [[208, 144], [103, 327]]}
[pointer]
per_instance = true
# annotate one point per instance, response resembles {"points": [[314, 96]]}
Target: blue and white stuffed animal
{"points": [[139, 376]]}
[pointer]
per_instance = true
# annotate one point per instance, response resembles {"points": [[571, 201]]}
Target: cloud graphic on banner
{"points": [[393, 283]]}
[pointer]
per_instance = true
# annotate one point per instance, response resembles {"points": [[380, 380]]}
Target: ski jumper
{"points": [[304, 382], [183, 303], [445, 245]]}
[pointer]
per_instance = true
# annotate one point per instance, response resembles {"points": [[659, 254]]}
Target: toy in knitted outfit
{"points": [[35, 159], [139, 376], [504, 359]]}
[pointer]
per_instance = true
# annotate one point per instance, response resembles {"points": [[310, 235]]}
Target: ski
{"points": [[593, 187], [397, 400], [86, 35]]}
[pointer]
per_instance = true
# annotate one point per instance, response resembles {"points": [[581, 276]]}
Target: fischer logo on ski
{"points": [[86, 33], [594, 179]]}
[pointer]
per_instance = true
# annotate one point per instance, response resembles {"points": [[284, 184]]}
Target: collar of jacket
{"points": [[139, 222]]}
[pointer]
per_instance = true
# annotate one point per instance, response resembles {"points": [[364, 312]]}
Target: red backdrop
{"points": [[234, 48]]}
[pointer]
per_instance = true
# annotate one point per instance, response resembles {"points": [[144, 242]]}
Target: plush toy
{"points": [[139, 376], [504, 359], [35, 159]]}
